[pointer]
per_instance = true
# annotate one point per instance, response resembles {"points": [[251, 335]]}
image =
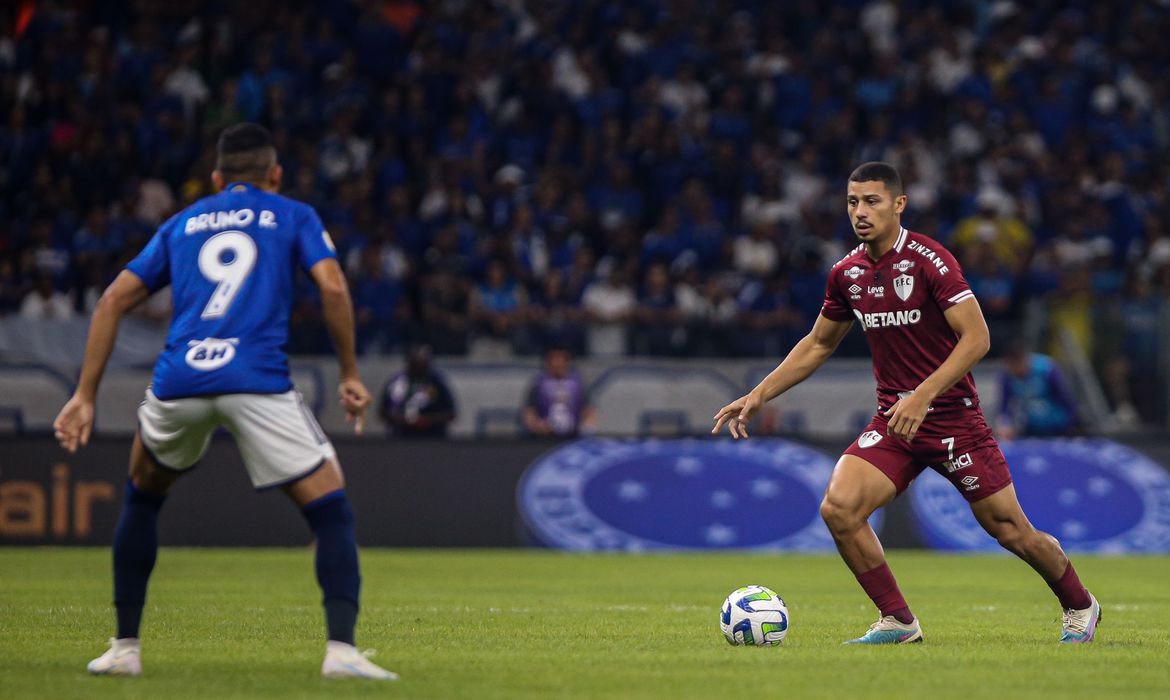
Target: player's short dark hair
{"points": [[245, 153], [877, 170]]}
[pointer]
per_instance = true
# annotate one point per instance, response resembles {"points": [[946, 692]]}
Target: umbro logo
{"points": [[970, 482], [854, 289]]}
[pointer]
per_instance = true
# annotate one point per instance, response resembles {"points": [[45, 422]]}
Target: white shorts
{"points": [[277, 435]]}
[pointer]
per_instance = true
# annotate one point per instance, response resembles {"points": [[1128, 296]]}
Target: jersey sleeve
{"points": [[947, 283], [313, 241], [152, 265], [835, 308]]}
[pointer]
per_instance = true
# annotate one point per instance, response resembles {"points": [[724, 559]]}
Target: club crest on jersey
{"points": [[211, 353], [854, 272], [903, 265], [869, 439], [903, 286]]}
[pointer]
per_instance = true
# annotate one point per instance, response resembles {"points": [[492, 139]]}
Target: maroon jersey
{"points": [[899, 301]]}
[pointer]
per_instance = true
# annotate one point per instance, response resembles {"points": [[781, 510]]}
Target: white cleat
{"points": [[346, 661], [121, 659], [888, 630], [1081, 625]]}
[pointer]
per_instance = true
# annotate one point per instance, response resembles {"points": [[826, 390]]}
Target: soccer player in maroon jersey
{"points": [[925, 331]]}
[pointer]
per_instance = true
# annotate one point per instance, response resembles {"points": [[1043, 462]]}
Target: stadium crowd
{"points": [[636, 176]]}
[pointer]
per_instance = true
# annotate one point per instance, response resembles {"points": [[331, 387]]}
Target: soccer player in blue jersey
{"points": [[230, 260]]}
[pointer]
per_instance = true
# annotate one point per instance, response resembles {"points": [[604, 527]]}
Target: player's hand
{"points": [[906, 416], [74, 424], [355, 399], [737, 414]]}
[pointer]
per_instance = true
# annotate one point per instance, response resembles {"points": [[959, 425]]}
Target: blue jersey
{"points": [[231, 260]]}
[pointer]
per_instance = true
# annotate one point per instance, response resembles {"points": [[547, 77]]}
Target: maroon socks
{"points": [[1069, 590], [880, 586]]}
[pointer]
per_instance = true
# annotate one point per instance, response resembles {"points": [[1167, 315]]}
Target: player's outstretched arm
{"points": [[75, 421], [338, 311], [966, 320], [804, 359]]}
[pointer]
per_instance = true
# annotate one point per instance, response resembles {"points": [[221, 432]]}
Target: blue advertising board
{"points": [[645, 495], [1094, 495]]}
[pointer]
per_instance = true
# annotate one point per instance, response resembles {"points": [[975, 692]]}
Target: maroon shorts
{"points": [[957, 444]]}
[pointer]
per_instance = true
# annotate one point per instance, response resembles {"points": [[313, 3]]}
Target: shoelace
{"points": [[878, 624], [1076, 623]]}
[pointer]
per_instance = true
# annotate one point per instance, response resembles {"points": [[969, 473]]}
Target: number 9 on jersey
{"points": [[227, 259]]}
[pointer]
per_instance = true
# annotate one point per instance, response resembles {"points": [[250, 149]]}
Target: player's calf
{"points": [[336, 563]]}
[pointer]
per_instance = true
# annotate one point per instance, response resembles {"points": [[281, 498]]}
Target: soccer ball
{"points": [[754, 616]]}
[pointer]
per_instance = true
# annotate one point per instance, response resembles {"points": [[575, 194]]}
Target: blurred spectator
{"points": [[44, 302], [589, 138], [444, 313], [768, 323], [379, 306], [610, 303], [557, 403], [658, 320], [556, 317], [1008, 237], [1129, 334], [499, 305], [1034, 397], [416, 402]]}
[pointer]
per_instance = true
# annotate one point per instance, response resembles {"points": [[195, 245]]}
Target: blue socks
{"points": [[331, 519], [135, 550]]}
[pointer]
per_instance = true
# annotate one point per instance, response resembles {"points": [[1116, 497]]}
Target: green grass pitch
{"points": [[532, 624]]}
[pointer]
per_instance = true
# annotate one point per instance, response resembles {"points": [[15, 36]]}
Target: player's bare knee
{"points": [[840, 517], [1011, 536], [146, 475]]}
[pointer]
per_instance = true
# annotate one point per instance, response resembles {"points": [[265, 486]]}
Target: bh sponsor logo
{"points": [[640, 495], [211, 353]]}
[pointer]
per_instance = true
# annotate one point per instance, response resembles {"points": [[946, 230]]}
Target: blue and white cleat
{"points": [[888, 630], [347, 661], [123, 658], [1080, 625]]}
